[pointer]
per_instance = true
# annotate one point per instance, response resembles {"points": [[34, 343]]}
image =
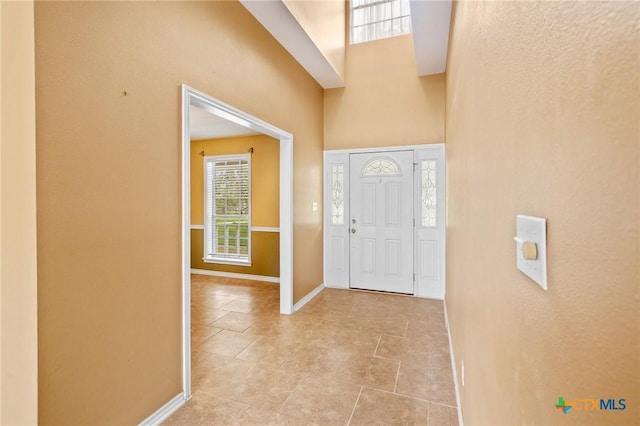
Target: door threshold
{"points": [[392, 293]]}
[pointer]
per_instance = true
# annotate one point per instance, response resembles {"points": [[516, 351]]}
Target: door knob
{"points": [[353, 230]]}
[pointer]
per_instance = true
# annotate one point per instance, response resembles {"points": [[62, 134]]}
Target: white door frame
{"points": [[193, 97], [335, 256]]}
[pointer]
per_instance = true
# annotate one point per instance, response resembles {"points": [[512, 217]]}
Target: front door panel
{"points": [[381, 221]]}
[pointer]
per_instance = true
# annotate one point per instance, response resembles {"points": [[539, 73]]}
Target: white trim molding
{"points": [[381, 148], [194, 98], [453, 365], [313, 293], [264, 278], [211, 238], [264, 229], [165, 411], [253, 228]]}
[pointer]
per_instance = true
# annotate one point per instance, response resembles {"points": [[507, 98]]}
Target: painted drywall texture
{"points": [[384, 103], [265, 255], [108, 187], [542, 119], [18, 276], [324, 21]]}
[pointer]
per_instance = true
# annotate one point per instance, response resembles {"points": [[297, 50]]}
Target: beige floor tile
{"points": [[402, 348], [260, 417], [206, 316], [212, 300], [235, 321], [263, 388], [288, 328], [268, 309], [264, 327], [244, 305], [322, 402], [203, 409], [354, 341], [383, 325], [427, 328], [440, 361], [253, 366], [197, 356], [362, 370], [382, 408], [215, 374], [441, 415], [440, 387], [311, 359], [313, 313], [269, 351], [412, 380], [200, 333], [227, 343], [439, 344], [427, 384]]}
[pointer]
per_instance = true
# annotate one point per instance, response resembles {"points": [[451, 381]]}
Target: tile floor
{"points": [[346, 358]]}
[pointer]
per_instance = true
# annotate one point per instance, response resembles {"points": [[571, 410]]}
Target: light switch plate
{"points": [[529, 228]]}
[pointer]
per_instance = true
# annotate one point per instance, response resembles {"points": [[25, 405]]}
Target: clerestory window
{"points": [[377, 19], [227, 209]]}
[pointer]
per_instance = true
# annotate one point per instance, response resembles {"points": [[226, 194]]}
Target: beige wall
{"points": [[265, 257], [109, 172], [265, 202], [384, 103], [18, 285], [324, 21], [542, 119]]}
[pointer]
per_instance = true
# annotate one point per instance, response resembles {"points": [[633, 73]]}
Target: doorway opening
{"points": [[237, 118]]}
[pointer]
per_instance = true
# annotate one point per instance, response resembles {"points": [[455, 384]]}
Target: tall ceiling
{"points": [[429, 20]]}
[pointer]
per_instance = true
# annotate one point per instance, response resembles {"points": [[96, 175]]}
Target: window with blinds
{"points": [[378, 19], [227, 236]]}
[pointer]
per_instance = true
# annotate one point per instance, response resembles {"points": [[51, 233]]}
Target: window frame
{"points": [[218, 258], [424, 191], [337, 188], [374, 3]]}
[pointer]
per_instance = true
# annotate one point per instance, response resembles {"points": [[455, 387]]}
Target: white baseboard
{"points": [[308, 298], [236, 275], [165, 411], [453, 366], [337, 286]]}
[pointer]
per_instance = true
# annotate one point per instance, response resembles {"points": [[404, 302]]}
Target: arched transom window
{"points": [[381, 166]]}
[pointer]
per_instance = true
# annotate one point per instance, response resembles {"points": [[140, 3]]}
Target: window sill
{"points": [[225, 261]]}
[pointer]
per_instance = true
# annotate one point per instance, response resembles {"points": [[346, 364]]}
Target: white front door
{"points": [[381, 221]]}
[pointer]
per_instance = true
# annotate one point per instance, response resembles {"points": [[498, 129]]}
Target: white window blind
{"points": [[227, 209], [377, 19]]}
